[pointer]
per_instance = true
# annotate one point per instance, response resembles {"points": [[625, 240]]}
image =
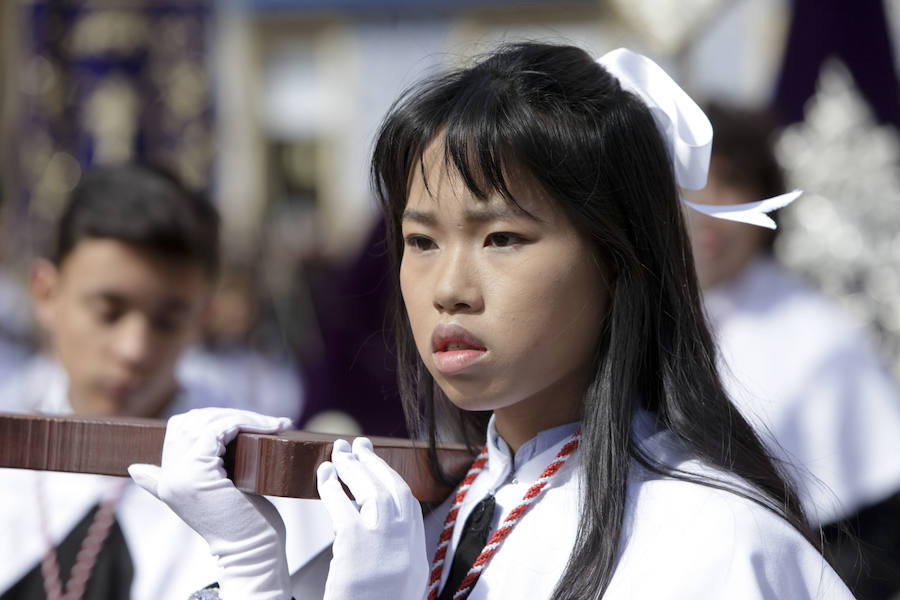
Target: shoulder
{"points": [[700, 505], [711, 511], [38, 385], [684, 539], [770, 294]]}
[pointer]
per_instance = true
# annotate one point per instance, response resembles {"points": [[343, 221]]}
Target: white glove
{"points": [[379, 547], [244, 531]]}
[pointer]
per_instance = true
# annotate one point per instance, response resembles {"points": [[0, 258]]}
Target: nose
{"points": [[458, 283], [133, 341]]}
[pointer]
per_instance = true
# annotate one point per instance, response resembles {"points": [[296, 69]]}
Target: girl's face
{"points": [[505, 304]]}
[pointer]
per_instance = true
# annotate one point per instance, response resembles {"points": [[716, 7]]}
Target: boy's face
{"points": [[118, 318], [722, 248]]}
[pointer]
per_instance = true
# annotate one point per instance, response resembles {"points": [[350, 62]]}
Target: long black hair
{"points": [[596, 151]]}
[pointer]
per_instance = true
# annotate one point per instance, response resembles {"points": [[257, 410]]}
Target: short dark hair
{"points": [[742, 149], [145, 206]]}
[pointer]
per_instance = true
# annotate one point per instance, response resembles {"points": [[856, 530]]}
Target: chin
{"points": [[102, 407], [138, 408], [470, 405], [465, 398], [133, 404]]}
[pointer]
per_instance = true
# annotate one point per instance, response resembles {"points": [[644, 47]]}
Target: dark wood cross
{"points": [[275, 465]]}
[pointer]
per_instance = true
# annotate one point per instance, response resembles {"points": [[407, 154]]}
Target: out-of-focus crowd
{"points": [[129, 308]]}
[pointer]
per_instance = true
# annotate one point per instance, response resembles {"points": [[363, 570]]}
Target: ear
{"points": [[44, 285]]}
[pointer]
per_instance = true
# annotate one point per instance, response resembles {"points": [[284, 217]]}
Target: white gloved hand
{"points": [[244, 531], [379, 547]]}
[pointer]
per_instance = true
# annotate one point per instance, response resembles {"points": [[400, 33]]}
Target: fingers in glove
{"points": [[386, 478], [204, 432], [146, 476], [230, 420], [340, 508], [355, 475], [365, 453]]}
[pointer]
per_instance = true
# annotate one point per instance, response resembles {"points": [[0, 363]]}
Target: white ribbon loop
{"points": [[685, 128], [687, 133]]}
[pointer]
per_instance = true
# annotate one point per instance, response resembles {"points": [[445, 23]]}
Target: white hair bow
{"points": [[687, 133]]}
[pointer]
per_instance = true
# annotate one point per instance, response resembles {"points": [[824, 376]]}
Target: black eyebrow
{"points": [[426, 218], [174, 304], [105, 296], [482, 215], [493, 213]]}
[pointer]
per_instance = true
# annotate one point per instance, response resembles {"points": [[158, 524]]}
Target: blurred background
{"points": [[270, 106]]}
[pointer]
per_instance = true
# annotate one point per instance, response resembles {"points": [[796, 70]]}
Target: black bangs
{"points": [[478, 135], [511, 111]]}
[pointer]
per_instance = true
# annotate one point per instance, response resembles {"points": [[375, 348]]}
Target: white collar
{"points": [[499, 450]]}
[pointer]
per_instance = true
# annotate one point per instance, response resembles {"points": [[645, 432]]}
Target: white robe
{"points": [[810, 381], [681, 541], [170, 560]]}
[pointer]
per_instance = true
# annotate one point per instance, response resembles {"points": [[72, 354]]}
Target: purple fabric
{"points": [[356, 372], [856, 32]]}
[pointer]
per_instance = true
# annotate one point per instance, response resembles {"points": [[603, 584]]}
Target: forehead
{"points": [[437, 184], [99, 264]]}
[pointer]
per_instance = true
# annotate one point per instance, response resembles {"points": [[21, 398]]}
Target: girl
{"points": [[549, 312]]}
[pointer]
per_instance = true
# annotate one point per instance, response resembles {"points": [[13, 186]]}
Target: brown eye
{"points": [[503, 239], [420, 243], [105, 311], [108, 316]]}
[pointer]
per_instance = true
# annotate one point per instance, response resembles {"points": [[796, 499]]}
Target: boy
{"points": [[122, 295]]}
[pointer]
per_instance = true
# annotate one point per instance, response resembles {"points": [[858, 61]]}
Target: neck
{"points": [[516, 425], [559, 403]]}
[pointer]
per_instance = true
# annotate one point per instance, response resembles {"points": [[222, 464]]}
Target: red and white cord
{"points": [[443, 542], [90, 548], [531, 496]]}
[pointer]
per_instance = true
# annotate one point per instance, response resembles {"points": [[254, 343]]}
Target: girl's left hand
{"points": [[379, 547]]}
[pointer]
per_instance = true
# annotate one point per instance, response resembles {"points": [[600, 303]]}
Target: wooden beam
{"points": [[275, 465]]}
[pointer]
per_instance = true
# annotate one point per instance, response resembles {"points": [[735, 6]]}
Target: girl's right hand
{"points": [[379, 547], [244, 531]]}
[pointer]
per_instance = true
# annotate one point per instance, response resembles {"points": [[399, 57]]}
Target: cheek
{"points": [[413, 292], [80, 352], [577, 305], [555, 314], [76, 330], [166, 351], [406, 288]]}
